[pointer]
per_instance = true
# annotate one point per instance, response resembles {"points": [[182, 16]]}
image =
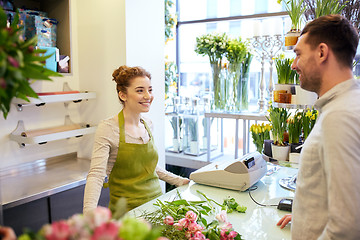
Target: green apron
{"points": [[133, 174]]}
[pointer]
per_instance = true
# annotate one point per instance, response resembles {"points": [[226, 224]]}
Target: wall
{"points": [[99, 45]]}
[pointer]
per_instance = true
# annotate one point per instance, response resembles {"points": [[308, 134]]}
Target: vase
{"points": [[280, 153], [294, 157], [176, 145], [194, 147], [243, 83], [218, 104], [294, 149], [234, 72]]}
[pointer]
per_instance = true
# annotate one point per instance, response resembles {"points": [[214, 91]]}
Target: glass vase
{"points": [[243, 83], [234, 71], [217, 76]]}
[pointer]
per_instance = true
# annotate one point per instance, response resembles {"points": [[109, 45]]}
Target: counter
{"points": [[27, 182], [258, 222]]}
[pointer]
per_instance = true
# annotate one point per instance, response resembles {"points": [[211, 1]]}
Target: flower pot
{"points": [[304, 97], [293, 147], [280, 153], [294, 157], [281, 91], [267, 147], [291, 38]]}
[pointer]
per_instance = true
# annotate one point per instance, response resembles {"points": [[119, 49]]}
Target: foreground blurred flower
{"points": [[97, 225]]}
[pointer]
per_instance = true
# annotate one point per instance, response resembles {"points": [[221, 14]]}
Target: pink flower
{"points": [[227, 226], [178, 226], [222, 217], [162, 238], [188, 234], [232, 234], [169, 220], [194, 227], [57, 231], [191, 216], [13, 61], [184, 222], [97, 217], [106, 231], [78, 230], [199, 235]]}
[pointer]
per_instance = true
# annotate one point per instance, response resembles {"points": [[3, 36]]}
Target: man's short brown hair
{"points": [[336, 32]]}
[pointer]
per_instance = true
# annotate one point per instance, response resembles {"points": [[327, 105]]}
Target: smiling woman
{"points": [[124, 151]]}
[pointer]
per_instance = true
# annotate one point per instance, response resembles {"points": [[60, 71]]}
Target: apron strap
{"points": [[121, 127], [147, 129]]}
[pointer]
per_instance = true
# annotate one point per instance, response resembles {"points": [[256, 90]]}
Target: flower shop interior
{"points": [[221, 77]]}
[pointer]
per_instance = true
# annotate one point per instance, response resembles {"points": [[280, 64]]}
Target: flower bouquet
{"points": [[19, 63], [191, 220], [235, 54], [96, 225], [214, 46]]}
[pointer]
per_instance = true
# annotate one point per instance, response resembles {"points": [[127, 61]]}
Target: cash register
{"points": [[236, 174]]}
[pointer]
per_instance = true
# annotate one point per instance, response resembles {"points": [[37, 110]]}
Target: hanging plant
{"points": [[20, 64]]}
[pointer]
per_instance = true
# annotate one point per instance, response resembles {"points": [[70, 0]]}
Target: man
{"points": [[327, 197]]}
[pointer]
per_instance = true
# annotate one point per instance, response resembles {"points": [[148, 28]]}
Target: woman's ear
{"points": [[122, 96]]}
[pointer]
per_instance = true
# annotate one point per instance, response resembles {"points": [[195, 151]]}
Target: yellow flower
{"points": [[313, 117], [308, 114], [173, 84]]}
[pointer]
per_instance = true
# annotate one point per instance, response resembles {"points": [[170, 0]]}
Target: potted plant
{"points": [[295, 9], [260, 133], [286, 79], [318, 8], [20, 64], [309, 117], [278, 119], [294, 129]]}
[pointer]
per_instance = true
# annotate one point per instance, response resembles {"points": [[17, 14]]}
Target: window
{"points": [[234, 17]]}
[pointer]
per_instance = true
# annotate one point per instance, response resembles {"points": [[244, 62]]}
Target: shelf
{"points": [[53, 98], [244, 115], [291, 106], [19, 134]]}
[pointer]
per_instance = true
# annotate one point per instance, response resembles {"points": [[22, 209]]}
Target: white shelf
{"points": [[42, 100], [17, 136], [291, 106]]}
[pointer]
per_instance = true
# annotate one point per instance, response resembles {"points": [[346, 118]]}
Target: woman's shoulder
{"points": [[147, 121], [109, 122]]}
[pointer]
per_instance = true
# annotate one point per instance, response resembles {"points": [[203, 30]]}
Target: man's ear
{"points": [[323, 52]]}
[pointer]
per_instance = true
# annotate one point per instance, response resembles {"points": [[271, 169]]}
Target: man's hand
{"points": [[284, 221]]}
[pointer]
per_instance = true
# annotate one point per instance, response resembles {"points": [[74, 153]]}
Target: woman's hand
{"points": [[7, 233], [284, 221], [185, 181]]}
